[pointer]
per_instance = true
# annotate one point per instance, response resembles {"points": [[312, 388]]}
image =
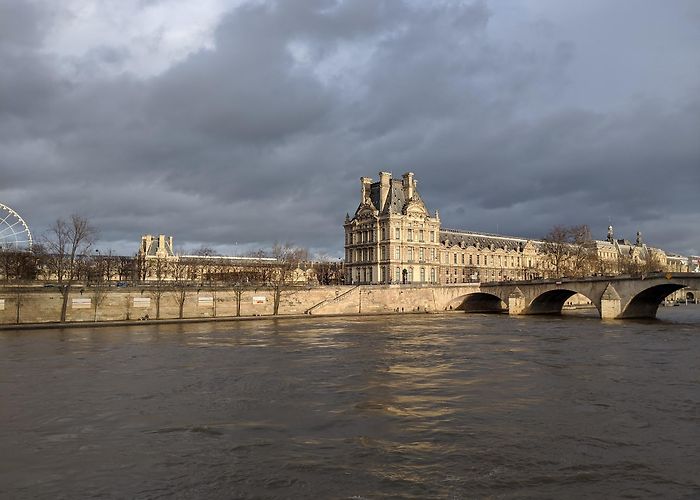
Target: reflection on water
{"points": [[420, 406]]}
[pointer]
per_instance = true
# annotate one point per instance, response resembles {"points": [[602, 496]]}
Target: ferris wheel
{"points": [[14, 232]]}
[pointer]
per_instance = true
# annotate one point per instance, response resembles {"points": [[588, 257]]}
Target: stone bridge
{"points": [[613, 297]]}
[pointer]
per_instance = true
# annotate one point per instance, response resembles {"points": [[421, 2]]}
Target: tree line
{"points": [[570, 251], [65, 257]]}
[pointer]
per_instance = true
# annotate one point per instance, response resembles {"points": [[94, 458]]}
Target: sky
{"points": [[238, 124]]}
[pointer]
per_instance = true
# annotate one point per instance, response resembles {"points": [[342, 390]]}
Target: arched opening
{"points": [[646, 302], [690, 296], [479, 303], [551, 302]]}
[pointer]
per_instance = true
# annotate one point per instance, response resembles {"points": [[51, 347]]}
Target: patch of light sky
{"points": [[343, 67], [151, 35]]}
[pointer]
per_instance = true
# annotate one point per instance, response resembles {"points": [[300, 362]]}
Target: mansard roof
{"points": [[484, 240], [396, 199]]}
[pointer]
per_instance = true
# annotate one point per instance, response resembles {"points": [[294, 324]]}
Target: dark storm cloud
{"points": [[263, 137]]}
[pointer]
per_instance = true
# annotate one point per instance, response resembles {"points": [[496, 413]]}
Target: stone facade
{"points": [[394, 238]]}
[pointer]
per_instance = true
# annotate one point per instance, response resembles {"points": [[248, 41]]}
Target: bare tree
{"points": [[159, 270], [99, 279], [583, 257], [19, 266], [288, 259], [204, 251], [568, 250], [65, 243], [555, 249], [181, 278], [329, 271]]}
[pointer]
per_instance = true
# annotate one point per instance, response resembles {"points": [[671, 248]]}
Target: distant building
{"points": [[393, 238], [157, 261], [156, 248]]}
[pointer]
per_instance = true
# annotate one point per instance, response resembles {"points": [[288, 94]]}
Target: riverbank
{"points": [[117, 306], [225, 319]]}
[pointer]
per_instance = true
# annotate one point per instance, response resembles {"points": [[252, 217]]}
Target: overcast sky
{"points": [[238, 124]]}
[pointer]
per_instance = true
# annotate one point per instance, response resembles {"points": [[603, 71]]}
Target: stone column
{"points": [[516, 302], [610, 303]]}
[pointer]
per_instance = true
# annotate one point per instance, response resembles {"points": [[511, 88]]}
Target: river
{"points": [[407, 406]]}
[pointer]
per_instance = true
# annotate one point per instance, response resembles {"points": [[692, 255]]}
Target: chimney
{"points": [[366, 183], [170, 245], [146, 241], [408, 185], [384, 183], [161, 245]]}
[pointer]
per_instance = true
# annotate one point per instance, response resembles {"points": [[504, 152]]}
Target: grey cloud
{"points": [[233, 142]]}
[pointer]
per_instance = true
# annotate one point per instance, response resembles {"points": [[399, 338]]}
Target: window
{"points": [[455, 258], [383, 253], [410, 254], [462, 259], [397, 233], [397, 276], [410, 274], [432, 275], [397, 253], [432, 254], [410, 235], [432, 236], [470, 259], [478, 258], [420, 235], [422, 274], [421, 254], [383, 233]]}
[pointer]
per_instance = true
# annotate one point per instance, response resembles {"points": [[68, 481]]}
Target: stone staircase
{"points": [[334, 304]]}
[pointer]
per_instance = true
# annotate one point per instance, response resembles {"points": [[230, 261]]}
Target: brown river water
{"points": [[407, 406]]}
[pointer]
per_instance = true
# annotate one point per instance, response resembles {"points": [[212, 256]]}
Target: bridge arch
{"points": [[645, 303], [478, 302], [552, 301]]}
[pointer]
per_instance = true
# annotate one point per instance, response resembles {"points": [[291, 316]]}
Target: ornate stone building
{"points": [[393, 238]]}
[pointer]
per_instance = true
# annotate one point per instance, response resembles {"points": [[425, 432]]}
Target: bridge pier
{"points": [[610, 303], [516, 302]]}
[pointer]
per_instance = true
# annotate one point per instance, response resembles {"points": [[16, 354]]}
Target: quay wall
{"points": [[21, 305]]}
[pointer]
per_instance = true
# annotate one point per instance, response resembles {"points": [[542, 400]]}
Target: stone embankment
{"points": [[42, 305]]}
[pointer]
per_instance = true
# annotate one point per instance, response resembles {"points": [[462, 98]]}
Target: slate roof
{"points": [[396, 199], [484, 240]]}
